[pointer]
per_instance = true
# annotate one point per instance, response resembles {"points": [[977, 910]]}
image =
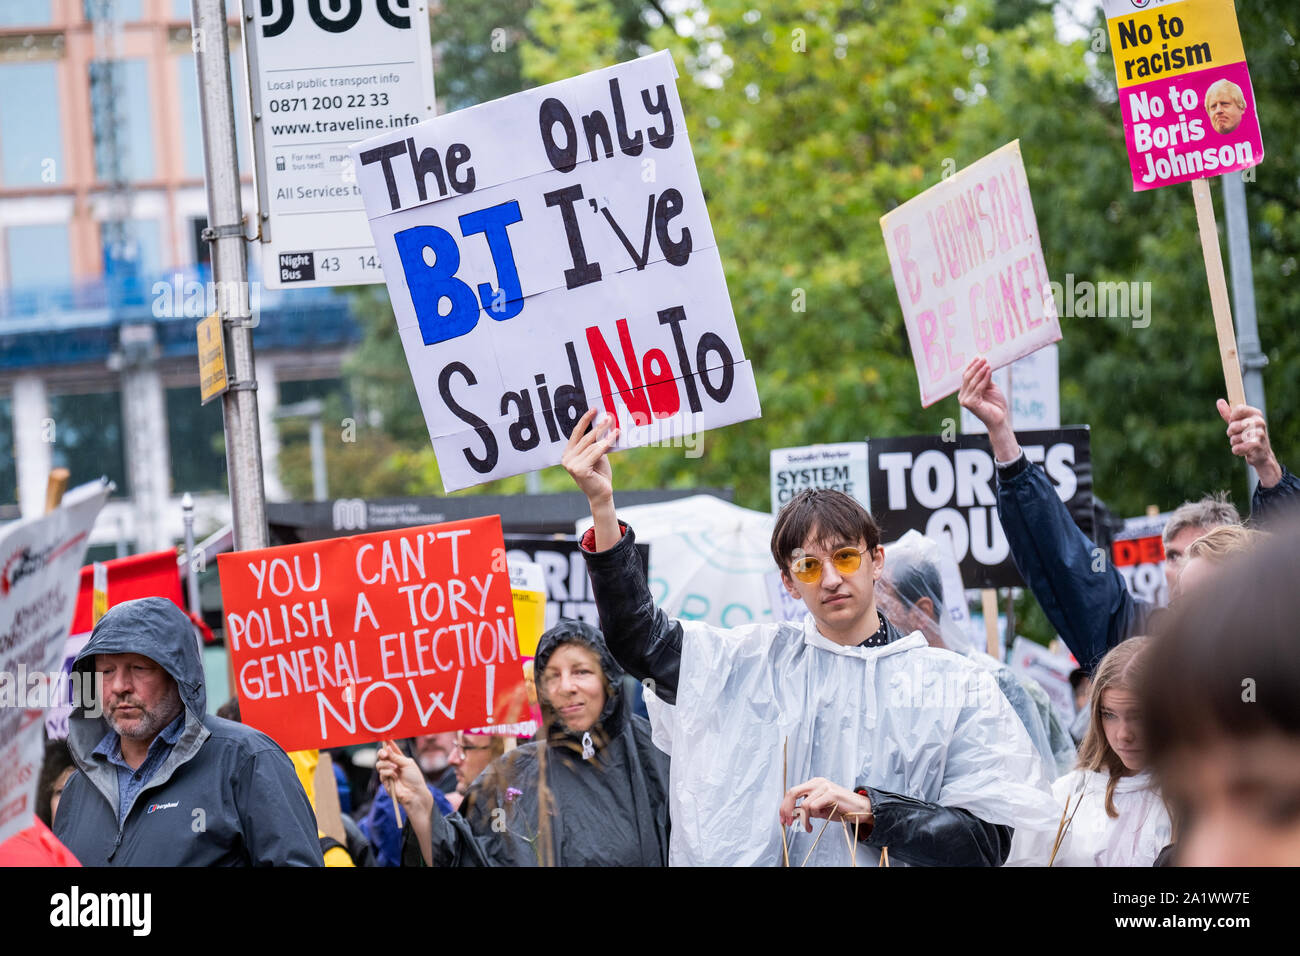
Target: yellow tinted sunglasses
{"points": [[809, 569]]}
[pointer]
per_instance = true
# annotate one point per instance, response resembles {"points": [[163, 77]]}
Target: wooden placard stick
{"points": [[785, 786], [55, 487], [329, 814], [392, 787], [989, 597], [1218, 292]]}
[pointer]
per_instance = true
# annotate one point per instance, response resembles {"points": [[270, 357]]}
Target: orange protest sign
{"points": [[374, 636]]}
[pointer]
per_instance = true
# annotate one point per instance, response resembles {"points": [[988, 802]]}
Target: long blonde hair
{"points": [[1120, 669]]}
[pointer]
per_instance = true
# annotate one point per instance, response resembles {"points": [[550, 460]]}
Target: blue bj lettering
{"points": [[492, 223], [430, 284]]}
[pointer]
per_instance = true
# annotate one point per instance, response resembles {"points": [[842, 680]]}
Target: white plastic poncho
{"points": [[1093, 838], [919, 567], [904, 718]]}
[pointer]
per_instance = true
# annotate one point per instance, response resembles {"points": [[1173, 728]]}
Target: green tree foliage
{"points": [[477, 50], [812, 118]]}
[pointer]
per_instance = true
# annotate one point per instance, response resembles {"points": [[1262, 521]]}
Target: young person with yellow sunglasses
{"points": [[889, 740]]}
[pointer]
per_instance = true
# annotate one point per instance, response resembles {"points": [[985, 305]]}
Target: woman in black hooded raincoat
{"points": [[603, 790]]}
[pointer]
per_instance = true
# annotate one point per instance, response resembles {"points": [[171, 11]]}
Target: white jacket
{"points": [[905, 718], [1135, 838]]}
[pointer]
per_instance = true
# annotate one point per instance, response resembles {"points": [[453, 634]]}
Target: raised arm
{"points": [[644, 641], [1278, 490], [1080, 591]]}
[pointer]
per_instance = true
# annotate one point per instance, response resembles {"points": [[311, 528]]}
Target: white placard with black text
{"points": [[550, 251]]}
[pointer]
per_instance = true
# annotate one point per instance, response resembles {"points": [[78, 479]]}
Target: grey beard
{"points": [[151, 723]]}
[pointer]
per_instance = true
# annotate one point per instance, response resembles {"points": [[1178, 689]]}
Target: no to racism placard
{"points": [[549, 251], [1184, 90], [375, 636], [968, 266]]}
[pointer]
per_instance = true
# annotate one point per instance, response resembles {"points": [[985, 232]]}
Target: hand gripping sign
{"points": [[376, 636], [547, 251], [968, 266]]}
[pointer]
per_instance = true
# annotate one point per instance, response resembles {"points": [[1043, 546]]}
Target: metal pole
{"points": [[191, 573], [230, 270], [1243, 298], [319, 481]]}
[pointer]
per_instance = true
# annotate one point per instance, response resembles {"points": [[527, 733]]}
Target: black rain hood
{"points": [[548, 801], [614, 714]]}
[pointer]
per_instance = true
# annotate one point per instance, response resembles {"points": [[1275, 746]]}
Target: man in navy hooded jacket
{"points": [[160, 783], [1088, 603]]}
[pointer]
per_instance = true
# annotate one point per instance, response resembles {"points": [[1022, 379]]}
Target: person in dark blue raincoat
{"points": [[1090, 606]]}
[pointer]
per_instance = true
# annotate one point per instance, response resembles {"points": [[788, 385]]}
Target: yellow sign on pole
{"points": [[528, 588], [99, 596], [212, 358]]}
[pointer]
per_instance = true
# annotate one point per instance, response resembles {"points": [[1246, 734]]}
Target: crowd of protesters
{"points": [[872, 716]]}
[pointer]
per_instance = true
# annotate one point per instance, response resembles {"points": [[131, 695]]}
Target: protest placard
{"points": [[1139, 555], [1174, 61], [948, 489], [1184, 90], [839, 467], [968, 267], [1032, 660], [528, 592], [375, 636], [548, 251], [39, 560]]}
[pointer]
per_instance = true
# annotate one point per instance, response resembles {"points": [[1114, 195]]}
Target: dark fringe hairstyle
{"points": [[832, 514]]}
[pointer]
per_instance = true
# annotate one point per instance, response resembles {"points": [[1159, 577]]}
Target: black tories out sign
{"points": [[549, 251], [949, 487]]}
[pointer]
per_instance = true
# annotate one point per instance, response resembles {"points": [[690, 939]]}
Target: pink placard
{"points": [[969, 269], [1177, 132]]}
